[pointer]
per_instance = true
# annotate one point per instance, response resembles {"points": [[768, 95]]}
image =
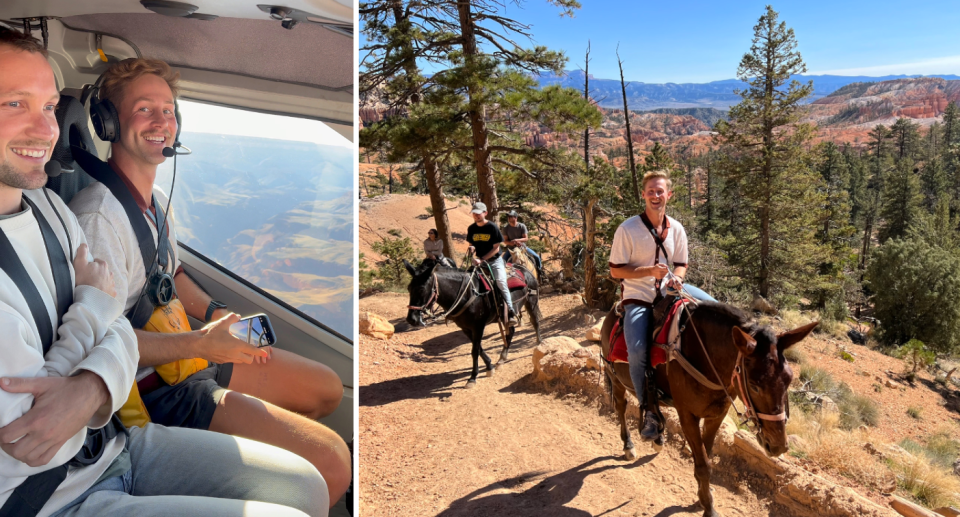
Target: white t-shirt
{"points": [[111, 238], [634, 246]]}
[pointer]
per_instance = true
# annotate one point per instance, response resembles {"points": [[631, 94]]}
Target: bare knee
{"points": [[325, 397]]}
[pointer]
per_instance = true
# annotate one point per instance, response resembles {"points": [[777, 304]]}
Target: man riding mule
{"points": [[726, 356], [713, 351], [485, 238], [641, 249], [468, 300]]}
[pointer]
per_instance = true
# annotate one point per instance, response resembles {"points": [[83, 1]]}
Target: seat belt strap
{"points": [[105, 174], [10, 263], [29, 497], [59, 265]]}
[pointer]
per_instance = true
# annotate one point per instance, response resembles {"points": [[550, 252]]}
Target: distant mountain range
{"points": [[716, 94], [278, 213]]}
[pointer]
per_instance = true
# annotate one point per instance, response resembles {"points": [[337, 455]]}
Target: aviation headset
{"points": [[106, 120]]}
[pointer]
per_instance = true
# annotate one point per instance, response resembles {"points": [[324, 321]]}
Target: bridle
{"points": [[743, 385], [749, 416], [434, 297]]}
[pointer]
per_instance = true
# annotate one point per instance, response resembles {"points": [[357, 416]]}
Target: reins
{"points": [[739, 378], [434, 298]]}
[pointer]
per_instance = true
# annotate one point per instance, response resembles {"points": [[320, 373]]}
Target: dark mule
{"points": [[458, 293], [729, 338]]}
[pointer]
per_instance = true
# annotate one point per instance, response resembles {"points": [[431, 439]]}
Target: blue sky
{"points": [[701, 41]]}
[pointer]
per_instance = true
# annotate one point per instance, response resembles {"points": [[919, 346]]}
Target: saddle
{"points": [[515, 280], [665, 334]]}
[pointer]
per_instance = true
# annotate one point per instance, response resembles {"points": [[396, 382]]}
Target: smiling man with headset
{"points": [[203, 379], [69, 358]]}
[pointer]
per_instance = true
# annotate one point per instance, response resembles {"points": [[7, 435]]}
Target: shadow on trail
{"points": [[428, 386], [551, 325], [950, 397], [547, 497], [674, 510]]}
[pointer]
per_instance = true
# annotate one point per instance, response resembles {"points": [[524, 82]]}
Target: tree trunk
{"points": [[486, 184], [439, 205], [586, 96], [626, 117], [589, 267]]}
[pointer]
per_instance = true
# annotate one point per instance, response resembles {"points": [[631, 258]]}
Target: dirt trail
{"points": [[431, 447]]}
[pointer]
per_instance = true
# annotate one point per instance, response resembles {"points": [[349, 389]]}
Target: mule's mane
{"points": [[726, 315]]}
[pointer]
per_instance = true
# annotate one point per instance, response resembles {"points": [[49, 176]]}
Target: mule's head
{"points": [[767, 376], [421, 289]]}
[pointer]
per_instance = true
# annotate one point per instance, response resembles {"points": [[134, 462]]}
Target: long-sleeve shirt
{"points": [[93, 336], [433, 247]]}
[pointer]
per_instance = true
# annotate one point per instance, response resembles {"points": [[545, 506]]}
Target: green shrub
{"points": [[915, 411], [914, 287], [367, 276], [916, 355], [391, 270]]}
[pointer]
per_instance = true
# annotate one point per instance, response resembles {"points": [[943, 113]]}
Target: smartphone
{"points": [[255, 330]]}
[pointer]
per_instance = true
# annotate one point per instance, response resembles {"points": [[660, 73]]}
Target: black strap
{"points": [[59, 264], [657, 238], [165, 256], [10, 263], [103, 173], [29, 497], [140, 314]]}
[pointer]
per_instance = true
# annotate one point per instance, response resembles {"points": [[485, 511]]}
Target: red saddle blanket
{"points": [[658, 356], [515, 280]]}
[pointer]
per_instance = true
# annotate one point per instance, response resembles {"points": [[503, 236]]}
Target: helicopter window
{"points": [[269, 197]]}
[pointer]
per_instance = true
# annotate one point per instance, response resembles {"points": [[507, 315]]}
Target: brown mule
{"points": [[735, 345]]}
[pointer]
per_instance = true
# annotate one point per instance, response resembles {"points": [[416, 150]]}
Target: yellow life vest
{"points": [[168, 319]]}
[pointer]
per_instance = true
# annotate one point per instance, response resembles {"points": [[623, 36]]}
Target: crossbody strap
{"points": [[658, 239]]}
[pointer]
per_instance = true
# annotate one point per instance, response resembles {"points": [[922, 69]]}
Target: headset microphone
{"points": [[170, 152], [53, 168]]}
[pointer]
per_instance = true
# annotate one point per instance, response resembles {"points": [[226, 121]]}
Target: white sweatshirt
{"points": [[94, 336]]}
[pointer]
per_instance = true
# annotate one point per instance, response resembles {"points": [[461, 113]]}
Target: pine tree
{"points": [[902, 202], [483, 75], [915, 286], [906, 139], [772, 241]]}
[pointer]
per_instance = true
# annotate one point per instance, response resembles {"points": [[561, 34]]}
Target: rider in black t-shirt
{"points": [[485, 238]]}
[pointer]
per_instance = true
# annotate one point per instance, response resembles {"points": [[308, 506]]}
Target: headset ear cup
{"points": [[106, 120]]}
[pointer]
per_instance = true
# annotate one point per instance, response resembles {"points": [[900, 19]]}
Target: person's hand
{"points": [[219, 346], [61, 407], [675, 283], [476, 261], [95, 274], [259, 359], [658, 270]]}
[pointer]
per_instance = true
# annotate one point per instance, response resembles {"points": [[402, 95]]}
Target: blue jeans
{"points": [[636, 332], [500, 277]]}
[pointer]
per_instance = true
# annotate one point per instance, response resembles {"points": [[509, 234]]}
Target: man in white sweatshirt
{"points": [[69, 359]]}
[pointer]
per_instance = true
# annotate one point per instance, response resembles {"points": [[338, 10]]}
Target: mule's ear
{"points": [[744, 342], [792, 337], [410, 269]]}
